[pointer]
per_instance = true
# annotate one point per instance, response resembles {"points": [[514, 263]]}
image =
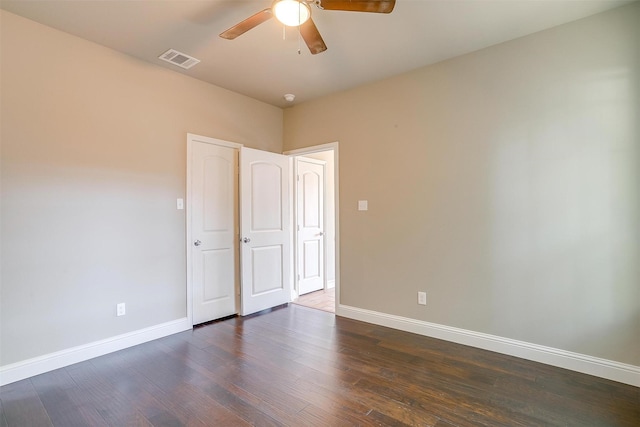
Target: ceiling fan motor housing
{"points": [[291, 13]]}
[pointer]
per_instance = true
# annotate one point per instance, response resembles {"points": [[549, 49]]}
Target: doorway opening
{"points": [[315, 236]]}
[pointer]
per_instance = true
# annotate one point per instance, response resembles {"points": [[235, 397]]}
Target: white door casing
{"points": [[310, 224], [213, 225], [264, 230], [332, 169]]}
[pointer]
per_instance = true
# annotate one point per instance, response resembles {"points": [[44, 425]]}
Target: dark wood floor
{"points": [[301, 367]]}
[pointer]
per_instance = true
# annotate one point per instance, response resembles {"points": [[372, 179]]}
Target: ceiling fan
{"points": [[297, 13]]}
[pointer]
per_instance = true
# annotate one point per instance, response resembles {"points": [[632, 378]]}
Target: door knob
{"points": [[322, 233], [197, 243], [246, 240]]}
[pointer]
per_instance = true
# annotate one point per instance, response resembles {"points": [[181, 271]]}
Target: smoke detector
{"points": [[289, 97], [180, 59]]}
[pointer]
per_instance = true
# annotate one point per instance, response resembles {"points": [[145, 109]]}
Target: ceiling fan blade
{"points": [[375, 6], [249, 23], [312, 37]]}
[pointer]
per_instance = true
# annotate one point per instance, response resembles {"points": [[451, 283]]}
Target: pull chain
{"points": [[284, 31], [299, 31]]}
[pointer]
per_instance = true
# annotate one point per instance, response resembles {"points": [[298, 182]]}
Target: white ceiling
{"points": [[362, 47]]}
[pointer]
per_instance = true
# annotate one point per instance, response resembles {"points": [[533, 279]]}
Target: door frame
{"points": [[332, 146], [192, 139]]}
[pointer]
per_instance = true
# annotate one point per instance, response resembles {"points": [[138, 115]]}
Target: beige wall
{"points": [[504, 182], [93, 160]]}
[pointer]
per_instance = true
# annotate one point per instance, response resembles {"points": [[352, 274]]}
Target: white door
{"points": [[213, 215], [310, 222], [264, 230]]}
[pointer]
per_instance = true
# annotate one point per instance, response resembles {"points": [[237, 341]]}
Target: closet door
{"points": [[213, 224]]}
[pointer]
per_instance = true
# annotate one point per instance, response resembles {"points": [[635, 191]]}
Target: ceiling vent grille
{"points": [[178, 58]]}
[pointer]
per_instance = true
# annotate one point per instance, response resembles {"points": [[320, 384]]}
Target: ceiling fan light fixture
{"points": [[291, 13]]}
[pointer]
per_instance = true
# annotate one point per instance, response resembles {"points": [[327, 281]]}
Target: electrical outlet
{"points": [[422, 298], [120, 309]]}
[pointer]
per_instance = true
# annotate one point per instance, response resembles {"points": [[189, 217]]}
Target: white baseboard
{"points": [[331, 284], [48, 362], [611, 370]]}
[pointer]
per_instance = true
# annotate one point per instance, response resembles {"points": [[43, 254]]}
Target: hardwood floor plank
{"points": [[22, 405], [65, 403], [156, 405], [330, 397], [271, 388], [3, 420], [228, 394], [176, 379], [58, 379], [276, 412], [97, 396], [384, 420], [238, 406], [315, 416], [205, 408]]}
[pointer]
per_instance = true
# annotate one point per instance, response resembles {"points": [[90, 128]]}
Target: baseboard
{"points": [[331, 284], [48, 362], [611, 370]]}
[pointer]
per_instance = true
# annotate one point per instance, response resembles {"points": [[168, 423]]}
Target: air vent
{"points": [[178, 58]]}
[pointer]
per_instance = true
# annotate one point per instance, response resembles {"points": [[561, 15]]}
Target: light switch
{"points": [[180, 204], [363, 205]]}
